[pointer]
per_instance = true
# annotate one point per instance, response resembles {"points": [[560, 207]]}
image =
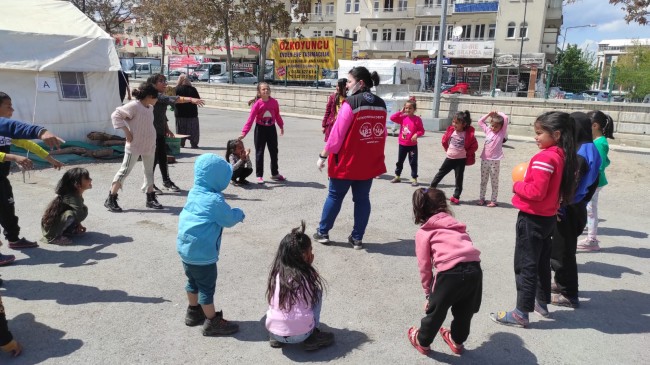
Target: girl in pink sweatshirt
{"points": [[410, 129], [442, 243], [495, 125], [294, 293]]}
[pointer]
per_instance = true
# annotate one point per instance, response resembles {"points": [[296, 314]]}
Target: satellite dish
{"points": [[358, 29], [458, 30]]}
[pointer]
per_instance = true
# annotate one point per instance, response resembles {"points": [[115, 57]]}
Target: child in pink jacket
{"points": [[442, 243], [495, 126], [410, 129]]}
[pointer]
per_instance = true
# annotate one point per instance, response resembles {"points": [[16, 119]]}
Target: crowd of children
{"points": [[554, 208]]}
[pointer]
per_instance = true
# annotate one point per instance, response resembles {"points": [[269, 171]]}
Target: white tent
{"points": [[58, 67], [394, 72]]}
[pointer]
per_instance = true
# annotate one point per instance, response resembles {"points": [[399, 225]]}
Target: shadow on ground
{"points": [[69, 294], [606, 270], [39, 342], [398, 248], [643, 253], [620, 232], [500, 348]]}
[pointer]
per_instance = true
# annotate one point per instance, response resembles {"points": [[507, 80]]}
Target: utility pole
{"points": [[441, 47]]}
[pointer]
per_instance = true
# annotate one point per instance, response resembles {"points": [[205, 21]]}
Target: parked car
{"points": [[646, 99], [207, 70], [459, 88], [596, 95], [329, 79], [238, 77], [576, 96], [556, 92]]}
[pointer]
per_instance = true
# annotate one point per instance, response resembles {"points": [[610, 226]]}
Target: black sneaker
{"points": [[356, 244], [317, 340], [157, 190], [275, 343], [22, 243], [171, 187], [111, 203], [322, 238], [218, 326], [194, 316], [152, 202]]}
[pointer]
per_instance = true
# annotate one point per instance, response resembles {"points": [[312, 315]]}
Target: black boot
{"points": [[152, 202], [111, 203]]}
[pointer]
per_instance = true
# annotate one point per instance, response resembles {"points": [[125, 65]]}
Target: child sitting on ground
{"points": [[295, 293], [495, 125], [200, 224], [239, 159], [64, 214], [442, 243]]}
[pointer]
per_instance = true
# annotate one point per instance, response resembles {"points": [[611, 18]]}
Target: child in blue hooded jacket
{"points": [[200, 226]]}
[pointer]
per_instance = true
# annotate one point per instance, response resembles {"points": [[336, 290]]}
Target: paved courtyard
{"points": [[117, 296]]}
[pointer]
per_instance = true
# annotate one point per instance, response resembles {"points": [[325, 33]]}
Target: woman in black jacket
{"points": [[187, 115]]}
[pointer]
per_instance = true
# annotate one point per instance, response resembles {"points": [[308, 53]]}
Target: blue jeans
{"points": [[201, 279], [360, 196]]}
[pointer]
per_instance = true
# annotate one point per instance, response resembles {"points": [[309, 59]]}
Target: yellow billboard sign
{"points": [[304, 58]]}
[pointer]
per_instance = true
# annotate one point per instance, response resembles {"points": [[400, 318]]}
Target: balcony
{"points": [[469, 7], [393, 46], [425, 45], [316, 18], [393, 13], [432, 10], [553, 13]]}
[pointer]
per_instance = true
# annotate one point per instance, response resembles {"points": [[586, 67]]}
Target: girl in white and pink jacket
{"points": [[442, 243]]}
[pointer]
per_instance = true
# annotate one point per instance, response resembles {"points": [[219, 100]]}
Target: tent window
{"points": [[73, 85]]}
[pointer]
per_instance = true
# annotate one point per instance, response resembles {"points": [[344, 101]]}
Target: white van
{"points": [[205, 70]]}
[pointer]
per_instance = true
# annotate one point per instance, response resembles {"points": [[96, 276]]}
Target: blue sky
{"points": [[608, 19]]}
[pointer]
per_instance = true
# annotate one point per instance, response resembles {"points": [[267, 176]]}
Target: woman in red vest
{"points": [[356, 154]]}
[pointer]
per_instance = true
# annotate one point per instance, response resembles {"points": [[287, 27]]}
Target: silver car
{"points": [[238, 77]]}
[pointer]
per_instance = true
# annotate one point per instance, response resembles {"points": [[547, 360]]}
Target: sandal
{"points": [[79, 230], [481, 202], [457, 349], [509, 319], [61, 241], [413, 338], [492, 204]]}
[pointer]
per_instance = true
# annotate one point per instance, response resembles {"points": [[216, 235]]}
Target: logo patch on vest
{"points": [[365, 130], [369, 97], [378, 130]]}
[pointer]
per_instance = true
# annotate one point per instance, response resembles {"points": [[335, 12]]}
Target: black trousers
{"points": [[563, 248], [532, 260], [8, 219], [266, 135], [460, 288], [241, 173], [458, 165], [161, 158], [412, 153]]}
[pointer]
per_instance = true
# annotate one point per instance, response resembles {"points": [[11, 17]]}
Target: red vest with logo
{"points": [[361, 156]]}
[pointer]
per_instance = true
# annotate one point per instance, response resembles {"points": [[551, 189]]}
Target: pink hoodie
{"points": [[441, 243]]}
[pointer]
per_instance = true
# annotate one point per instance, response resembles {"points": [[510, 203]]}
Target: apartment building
{"points": [[517, 36], [609, 51]]}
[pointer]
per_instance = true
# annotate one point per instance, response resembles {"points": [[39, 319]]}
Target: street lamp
{"points": [[575, 26]]}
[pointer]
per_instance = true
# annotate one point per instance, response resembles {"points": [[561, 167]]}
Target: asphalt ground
{"points": [[117, 295]]}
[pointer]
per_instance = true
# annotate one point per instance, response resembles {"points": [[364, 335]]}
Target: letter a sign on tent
{"points": [[46, 84]]}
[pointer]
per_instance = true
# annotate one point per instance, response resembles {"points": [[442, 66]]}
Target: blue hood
{"points": [[212, 172]]}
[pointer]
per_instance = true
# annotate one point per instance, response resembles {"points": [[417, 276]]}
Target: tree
{"points": [[162, 17], [261, 18], [633, 72], [109, 14], [637, 10], [575, 70]]}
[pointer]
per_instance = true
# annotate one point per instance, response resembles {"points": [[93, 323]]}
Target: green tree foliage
{"points": [[575, 71], [109, 14], [263, 19], [633, 72]]}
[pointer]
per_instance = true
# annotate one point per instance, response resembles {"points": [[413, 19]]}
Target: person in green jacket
{"points": [[64, 214]]}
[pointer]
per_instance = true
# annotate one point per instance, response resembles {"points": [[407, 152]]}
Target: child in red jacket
{"points": [[460, 145]]}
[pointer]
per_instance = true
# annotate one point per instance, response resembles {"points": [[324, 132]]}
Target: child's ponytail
{"points": [[604, 121], [428, 202]]}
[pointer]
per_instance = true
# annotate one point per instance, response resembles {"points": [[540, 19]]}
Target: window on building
{"points": [[479, 31], [511, 30], [400, 34], [374, 33], [355, 36], [386, 35], [467, 32], [402, 5], [375, 5], [357, 6], [329, 9], [317, 33], [348, 6], [388, 5], [439, 3], [73, 85], [436, 33], [423, 33], [450, 31], [492, 31], [523, 30], [329, 33], [318, 10], [346, 34], [428, 3]]}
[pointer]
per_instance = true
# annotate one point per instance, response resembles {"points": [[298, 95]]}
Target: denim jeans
{"points": [[201, 279], [304, 336], [360, 196]]}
